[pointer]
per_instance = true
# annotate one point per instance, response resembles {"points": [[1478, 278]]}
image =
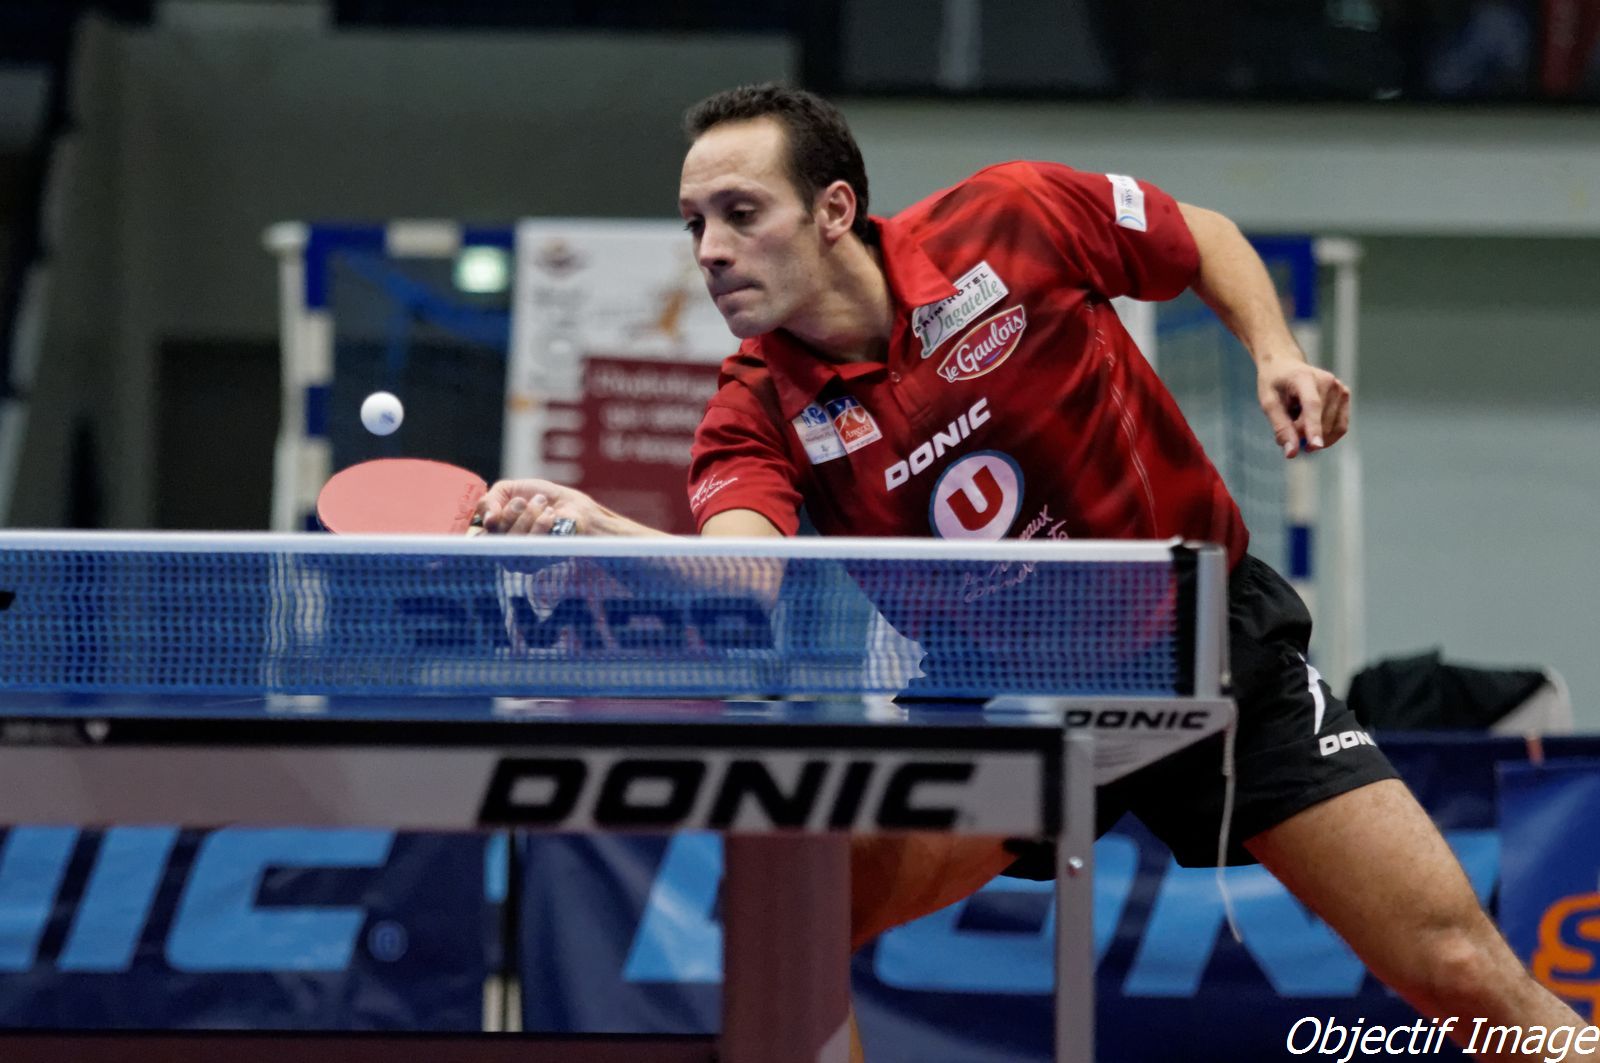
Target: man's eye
{"points": [[694, 225], [741, 216]]}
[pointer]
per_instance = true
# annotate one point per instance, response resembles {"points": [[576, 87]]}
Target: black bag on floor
{"points": [[1424, 693]]}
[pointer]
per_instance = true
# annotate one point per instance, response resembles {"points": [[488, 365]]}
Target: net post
{"points": [[287, 242], [1203, 572], [1346, 649], [1074, 945]]}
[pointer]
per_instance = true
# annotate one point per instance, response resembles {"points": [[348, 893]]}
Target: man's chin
{"points": [[745, 326]]}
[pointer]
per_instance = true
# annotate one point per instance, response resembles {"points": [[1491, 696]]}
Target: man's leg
{"points": [[1373, 866], [895, 879]]}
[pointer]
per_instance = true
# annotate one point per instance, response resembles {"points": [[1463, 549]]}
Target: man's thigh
{"points": [[1373, 866]]}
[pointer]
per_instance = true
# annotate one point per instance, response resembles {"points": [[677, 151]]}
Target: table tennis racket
{"points": [[411, 496]]}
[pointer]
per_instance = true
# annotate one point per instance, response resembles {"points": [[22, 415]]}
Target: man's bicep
{"points": [[1203, 221], [740, 523]]}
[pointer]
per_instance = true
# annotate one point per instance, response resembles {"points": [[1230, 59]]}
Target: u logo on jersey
{"points": [[978, 497]]}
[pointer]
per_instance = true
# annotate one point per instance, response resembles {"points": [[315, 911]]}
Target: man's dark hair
{"points": [[821, 147]]}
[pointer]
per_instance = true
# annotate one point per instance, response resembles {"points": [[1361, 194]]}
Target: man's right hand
{"points": [[531, 507]]}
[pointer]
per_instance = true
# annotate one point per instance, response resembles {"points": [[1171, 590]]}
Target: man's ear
{"points": [[836, 210]]}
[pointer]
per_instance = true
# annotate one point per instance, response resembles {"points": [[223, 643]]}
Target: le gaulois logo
{"points": [[985, 346]]}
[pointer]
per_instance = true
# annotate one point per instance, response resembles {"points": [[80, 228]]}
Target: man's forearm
{"points": [[1234, 282], [1307, 407], [607, 521]]}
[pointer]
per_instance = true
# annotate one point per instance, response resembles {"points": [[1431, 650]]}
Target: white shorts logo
{"points": [[1328, 745], [977, 498]]}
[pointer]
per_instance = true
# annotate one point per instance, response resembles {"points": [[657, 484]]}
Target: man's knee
{"points": [[1454, 965]]}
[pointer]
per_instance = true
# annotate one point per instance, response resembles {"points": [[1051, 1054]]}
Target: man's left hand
{"points": [[1306, 406]]}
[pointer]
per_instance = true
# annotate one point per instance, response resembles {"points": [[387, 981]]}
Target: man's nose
{"points": [[715, 252]]}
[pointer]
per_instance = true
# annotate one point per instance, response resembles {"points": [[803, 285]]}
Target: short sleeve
{"points": [[738, 462], [1126, 236]]}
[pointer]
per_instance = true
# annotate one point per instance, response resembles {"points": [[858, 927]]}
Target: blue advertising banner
{"points": [[972, 982], [156, 927], [1550, 885], [621, 935], [152, 927]]}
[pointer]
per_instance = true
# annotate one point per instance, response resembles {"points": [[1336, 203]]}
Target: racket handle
{"points": [[562, 526]]}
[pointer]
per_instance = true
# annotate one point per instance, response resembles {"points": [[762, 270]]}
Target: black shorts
{"points": [[1296, 745]]}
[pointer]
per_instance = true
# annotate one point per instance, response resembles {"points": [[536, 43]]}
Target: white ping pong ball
{"points": [[382, 413]]}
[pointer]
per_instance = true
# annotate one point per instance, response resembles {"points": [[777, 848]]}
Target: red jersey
{"points": [[1012, 402]]}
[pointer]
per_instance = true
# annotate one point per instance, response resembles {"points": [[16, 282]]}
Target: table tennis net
{"points": [[319, 615]]}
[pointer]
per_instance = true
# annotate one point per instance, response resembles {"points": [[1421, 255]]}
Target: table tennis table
{"points": [[263, 680]]}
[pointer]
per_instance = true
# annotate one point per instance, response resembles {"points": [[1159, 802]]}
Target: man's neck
{"points": [[853, 317]]}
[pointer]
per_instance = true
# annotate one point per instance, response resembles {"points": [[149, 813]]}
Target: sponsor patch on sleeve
{"points": [[818, 435], [854, 424], [1127, 202]]}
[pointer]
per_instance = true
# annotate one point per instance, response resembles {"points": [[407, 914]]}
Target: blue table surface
{"points": [[833, 711]]}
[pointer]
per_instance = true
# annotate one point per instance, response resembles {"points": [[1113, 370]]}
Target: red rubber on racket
{"points": [[409, 496], [400, 495]]}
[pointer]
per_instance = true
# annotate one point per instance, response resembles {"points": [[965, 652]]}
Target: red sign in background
{"points": [[634, 426], [1569, 36]]}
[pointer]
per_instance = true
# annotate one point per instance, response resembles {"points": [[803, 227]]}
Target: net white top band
{"points": [[833, 548]]}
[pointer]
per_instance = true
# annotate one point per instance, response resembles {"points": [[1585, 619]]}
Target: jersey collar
{"points": [[913, 278], [800, 374]]}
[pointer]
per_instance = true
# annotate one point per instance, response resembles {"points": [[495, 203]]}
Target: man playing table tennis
{"points": [[958, 371]]}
